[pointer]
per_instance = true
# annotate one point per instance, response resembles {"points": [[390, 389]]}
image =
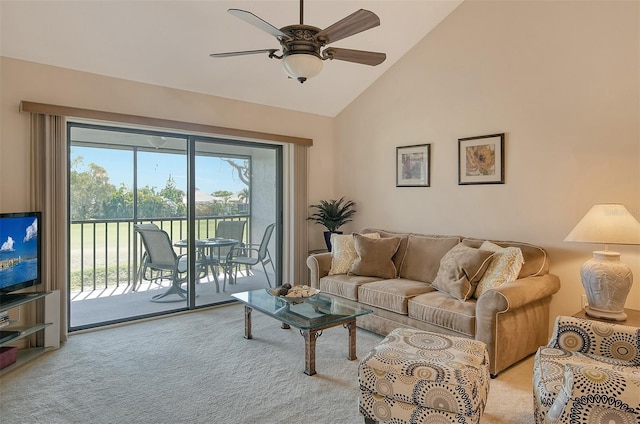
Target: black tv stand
{"points": [[11, 298], [6, 336]]}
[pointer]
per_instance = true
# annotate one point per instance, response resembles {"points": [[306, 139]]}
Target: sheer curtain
{"points": [[49, 195]]}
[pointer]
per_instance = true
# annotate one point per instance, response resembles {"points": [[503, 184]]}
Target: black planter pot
{"points": [[327, 238]]}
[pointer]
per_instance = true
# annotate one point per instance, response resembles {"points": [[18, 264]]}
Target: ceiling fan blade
{"points": [[258, 22], [245, 52], [359, 21], [356, 56]]}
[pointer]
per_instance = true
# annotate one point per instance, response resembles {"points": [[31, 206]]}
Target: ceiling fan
{"points": [[303, 46]]}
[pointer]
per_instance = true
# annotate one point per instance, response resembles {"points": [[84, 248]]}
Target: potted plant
{"points": [[332, 214]]}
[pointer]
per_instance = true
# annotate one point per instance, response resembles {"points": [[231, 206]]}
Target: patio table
{"points": [[209, 260]]}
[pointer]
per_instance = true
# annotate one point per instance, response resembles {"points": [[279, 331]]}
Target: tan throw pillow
{"points": [[504, 267], [460, 270], [343, 252], [374, 256], [422, 259]]}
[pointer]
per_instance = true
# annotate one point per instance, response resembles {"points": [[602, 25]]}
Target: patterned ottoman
{"points": [[416, 376]]}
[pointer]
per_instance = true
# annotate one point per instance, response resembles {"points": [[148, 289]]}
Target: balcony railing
{"points": [[106, 253]]}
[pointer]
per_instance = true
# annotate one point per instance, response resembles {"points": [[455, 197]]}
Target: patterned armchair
{"points": [[589, 373]]}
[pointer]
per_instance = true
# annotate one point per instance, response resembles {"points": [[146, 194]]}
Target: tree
{"points": [[151, 204], [90, 190], [120, 204], [225, 195], [93, 197], [174, 197], [242, 169], [243, 195]]}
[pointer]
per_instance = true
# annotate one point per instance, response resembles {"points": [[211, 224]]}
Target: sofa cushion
{"points": [[536, 261], [461, 268], [438, 308], [392, 295], [344, 285], [343, 252], [374, 256], [422, 260], [504, 267]]}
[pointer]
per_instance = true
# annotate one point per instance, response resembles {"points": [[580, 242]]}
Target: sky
{"points": [[212, 174], [18, 236]]}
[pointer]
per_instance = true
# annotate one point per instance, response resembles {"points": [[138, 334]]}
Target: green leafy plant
{"points": [[333, 214]]}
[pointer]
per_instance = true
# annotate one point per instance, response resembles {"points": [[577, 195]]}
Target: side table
{"points": [[633, 318]]}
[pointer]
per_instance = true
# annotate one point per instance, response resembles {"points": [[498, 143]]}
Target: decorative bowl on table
{"points": [[294, 294]]}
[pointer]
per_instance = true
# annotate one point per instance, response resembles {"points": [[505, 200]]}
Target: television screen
{"points": [[19, 251]]}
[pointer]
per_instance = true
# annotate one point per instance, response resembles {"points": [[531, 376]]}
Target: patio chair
{"points": [[229, 230], [162, 258], [144, 272], [250, 254], [232, 230]]}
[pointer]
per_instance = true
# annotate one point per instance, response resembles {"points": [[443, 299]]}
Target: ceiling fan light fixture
{"points": [[302, 66]]}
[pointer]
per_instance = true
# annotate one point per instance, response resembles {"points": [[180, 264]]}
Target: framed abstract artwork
{"points": [[481, 159], [413, 166]]}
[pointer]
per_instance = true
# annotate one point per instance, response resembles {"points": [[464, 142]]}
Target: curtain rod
{"points": [[66, 111]]}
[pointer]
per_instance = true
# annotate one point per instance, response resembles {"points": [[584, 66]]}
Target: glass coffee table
{"points": [[310, 316]]}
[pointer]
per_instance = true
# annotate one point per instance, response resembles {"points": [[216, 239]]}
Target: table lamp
{"points": [[605, 278]]}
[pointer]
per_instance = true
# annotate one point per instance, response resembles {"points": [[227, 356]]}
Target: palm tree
{"points": [[243, 195]]}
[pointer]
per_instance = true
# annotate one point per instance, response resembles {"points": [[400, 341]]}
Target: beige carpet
{"points": [[198, 368]]}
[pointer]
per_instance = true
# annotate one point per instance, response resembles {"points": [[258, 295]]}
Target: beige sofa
{"points": [[512, 318]]}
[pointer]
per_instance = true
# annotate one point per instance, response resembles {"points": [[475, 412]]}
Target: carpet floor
{"points": [[198, 368]]}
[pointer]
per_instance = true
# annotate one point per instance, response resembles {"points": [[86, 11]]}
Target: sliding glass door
{"points": [[213, 199], [236, 198]]}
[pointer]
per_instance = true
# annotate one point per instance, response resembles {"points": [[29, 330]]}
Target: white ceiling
{"points": [[167, 43]]}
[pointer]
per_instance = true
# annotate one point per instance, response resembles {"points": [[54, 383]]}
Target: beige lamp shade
{"points": [[605, 278], [608, 223]]}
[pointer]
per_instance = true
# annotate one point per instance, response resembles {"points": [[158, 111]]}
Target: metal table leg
{"points": [[247, 322], [351, 326], [310, 337]]}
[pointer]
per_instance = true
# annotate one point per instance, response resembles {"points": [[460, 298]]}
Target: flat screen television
{"points": [[20, 251]]}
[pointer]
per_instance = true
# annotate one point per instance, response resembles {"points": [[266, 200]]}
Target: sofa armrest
{"points": [[319, 264], [513, 319], [602, 339], [576, 399], [518, 293]]}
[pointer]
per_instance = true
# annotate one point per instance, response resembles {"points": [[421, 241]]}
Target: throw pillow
{"points": [[343, 252], [374, 256], [460, 270], [422, 259], [504, 267]]}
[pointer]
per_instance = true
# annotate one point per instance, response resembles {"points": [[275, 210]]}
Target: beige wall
{"points": [[561, 79]]}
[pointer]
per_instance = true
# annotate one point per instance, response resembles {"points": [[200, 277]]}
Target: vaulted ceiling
{"points": [[168, 43]]}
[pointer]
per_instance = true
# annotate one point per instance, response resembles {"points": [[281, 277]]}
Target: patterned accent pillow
{"points": [[460, 270], [504, 267], [343, 252]]}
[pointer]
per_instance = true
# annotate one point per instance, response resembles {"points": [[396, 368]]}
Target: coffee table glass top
{"points": [[314, 312]]}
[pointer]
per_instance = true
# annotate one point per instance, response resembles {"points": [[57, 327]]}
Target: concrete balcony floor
{"points": [[118, 303]]}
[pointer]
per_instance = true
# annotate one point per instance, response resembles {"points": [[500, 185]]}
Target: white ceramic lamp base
{"points": [[607, 282]]}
